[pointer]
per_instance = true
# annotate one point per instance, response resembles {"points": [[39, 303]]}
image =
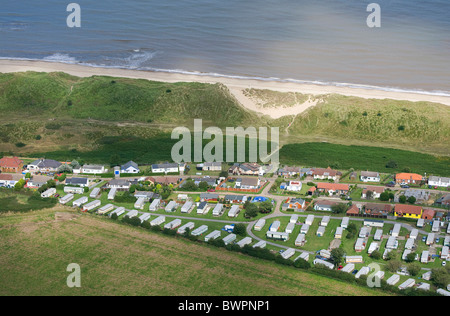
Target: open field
{"points": [[120, 260]]}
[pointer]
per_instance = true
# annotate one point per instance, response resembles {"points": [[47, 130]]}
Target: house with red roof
{"points": [[333, 188], [409, 211], [11, 165], [408, 178]]}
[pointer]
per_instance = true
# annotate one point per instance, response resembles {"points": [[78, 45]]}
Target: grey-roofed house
{"points": [[130, 167], [369, 176], [44, 166], [82, 182], [119, 184], [165, 168]]}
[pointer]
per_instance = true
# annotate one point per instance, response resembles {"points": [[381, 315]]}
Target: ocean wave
{"points": [[136, 60]]}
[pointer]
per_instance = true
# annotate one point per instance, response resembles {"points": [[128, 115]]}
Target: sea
{"points": [[324, 42]]}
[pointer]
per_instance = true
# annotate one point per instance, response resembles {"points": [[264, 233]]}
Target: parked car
{"points": [[404, 186]]}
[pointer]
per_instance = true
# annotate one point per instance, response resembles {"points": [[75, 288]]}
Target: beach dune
{"points": [[235, 86]]}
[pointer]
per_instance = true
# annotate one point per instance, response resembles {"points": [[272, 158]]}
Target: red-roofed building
{"points": [[332, 188], [428, 214], [408, 178], [409, 211], [353, 210], [11, 165]]}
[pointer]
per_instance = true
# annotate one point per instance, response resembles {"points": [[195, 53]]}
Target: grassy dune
{"points": [[121, 260]]}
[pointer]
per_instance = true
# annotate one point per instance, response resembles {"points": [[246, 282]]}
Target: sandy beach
{"points": [[236, 86]]}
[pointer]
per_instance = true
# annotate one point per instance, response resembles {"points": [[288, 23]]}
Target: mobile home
{"points": [[325, 221], [436, 226], [378, 235], [300, 240], [158, 221], [234, 211], [362, 271], [275, 226], [339, 232], [154, 206], [394, 279], [213, 235], [309, 220], [187, 207], [323, 262], [173, 224], [396, 230], [95, 193], [229, 239], [345, 222], [293, 219], [260, 244], [288, 253], [80, 201], [373, 246], [409, 244], [348, 268], [444, 253], [203, 208], [392, 243], [140, 203], [186, 226], [430, 239], [304, 229], [49, 193], [245, 241], [90, 206], [277, 235], [360, 245], [144, 217], [408, 283], [74, 190], [218, 210], [354, 259], [304, 256], [118, 211], [200, 230], [260, 224], [66, 199], [171, 206], [289, 228], [132, 213], [112, 194], [425, 256], [105, 209], [320, 231]]}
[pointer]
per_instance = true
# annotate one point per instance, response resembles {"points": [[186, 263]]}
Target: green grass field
{"points": [[117, 259]]}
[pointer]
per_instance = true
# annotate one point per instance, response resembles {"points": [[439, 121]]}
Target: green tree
{"points": [[376, 255], [411, 257], [339, 208], [265, 207], [240, 229], [337, 254], [19, 185], [384, 196], [402, 199], [414, 269], [251, 210], [411, 200]]}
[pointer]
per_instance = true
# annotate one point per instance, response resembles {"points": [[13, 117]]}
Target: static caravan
{"points": [[218, 210], [200, 230], [309, 220], [364, 232], [213, 235], [394, 279], [305, 228], [245, 241], [444, 253], [345, 222], [408, 283], [378, 235], [325, 254], [425, 256], [275, 226], [289, 228], [173, 224], [325, 220], [187, 207], [324, 263], [203, 208], [158, 221], [392, 243], [49, 193], [140, 203], [132, 213], [373, 246], [234, 211], [171, 206], [447, 241], [229, 239], [362, 271], [396, 230], [95, 193], [74, 190], [304, 256], [105, 209], [424, 286], [348, 268], [277, 235], [90, 206], [448, 229], [260, 244], [354, 259], [260, 224], [339, 232], [300, 240], [360, 245], [154, 206], [288, 253], [66, 199], [414, 234], [112, 194], [409, 244], [443, 292], [373, 223], [144, 217], [118, 211], [320, 231], [420, 222], [436, 226], [186, 226], [293, 219], [80, 201], [430, 239], [405, 254]]}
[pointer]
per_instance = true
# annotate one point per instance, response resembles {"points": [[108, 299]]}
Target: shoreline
{"points": [[233, 84]]}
